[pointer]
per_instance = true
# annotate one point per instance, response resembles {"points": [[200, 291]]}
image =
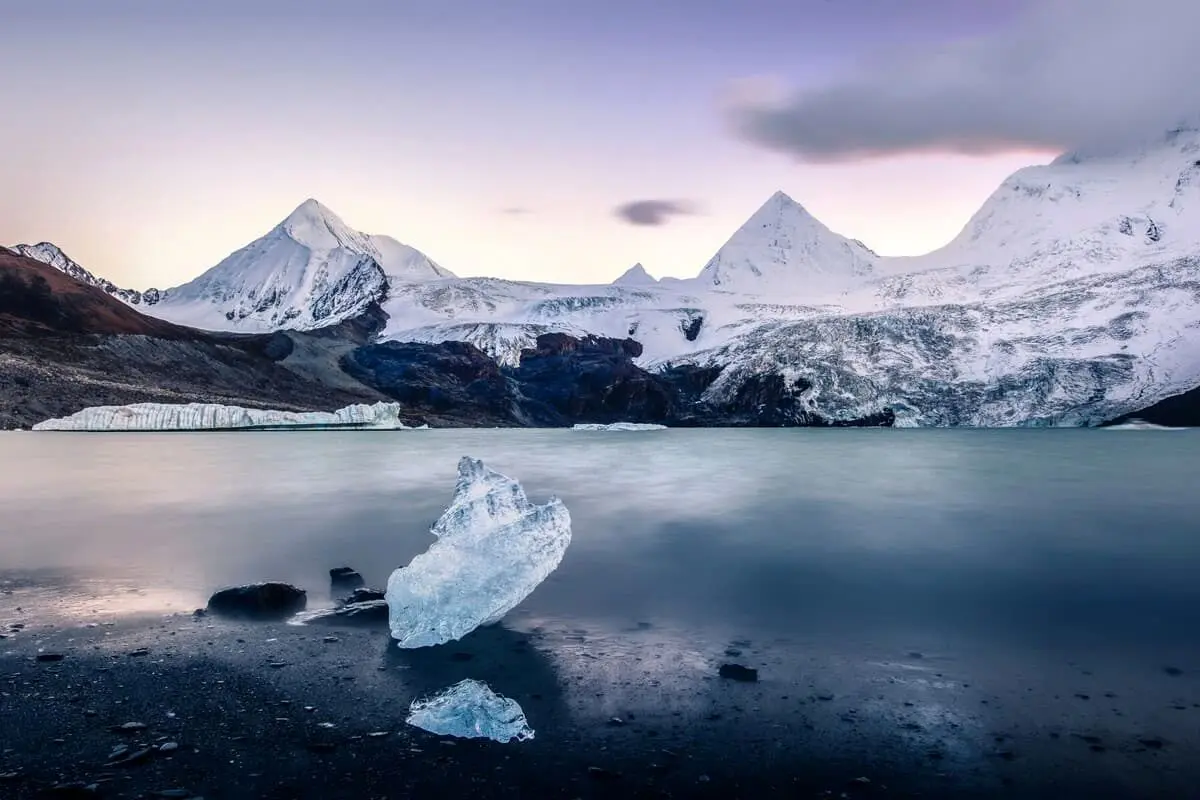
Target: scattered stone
{"points": [[168, 747], [861, 781], [141, 651], [129, 727], [9, 776], [200, 612], [378, 734], [344, 579], [1082, 696], [271, 600], [277, 664], [49, 657], [17, 626], [330, 640], [736, 672], [732, 652], [131, 758], [616, 722], [325, 725]]}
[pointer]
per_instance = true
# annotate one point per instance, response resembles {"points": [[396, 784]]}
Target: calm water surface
{"points": [[917, 540]]}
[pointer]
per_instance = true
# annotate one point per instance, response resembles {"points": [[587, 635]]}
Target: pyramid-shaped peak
{"points": [[314, 225], [311, 210], [635, 276], [784, 250]]}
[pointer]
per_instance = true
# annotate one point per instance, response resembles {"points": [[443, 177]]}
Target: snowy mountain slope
{"points": [[52, 255], [309, 271], [784, 251], [1080, 215]]}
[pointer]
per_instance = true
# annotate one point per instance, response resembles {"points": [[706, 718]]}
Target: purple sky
{"points": [[149, 139]]}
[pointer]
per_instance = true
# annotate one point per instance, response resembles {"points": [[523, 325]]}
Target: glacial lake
{"points": [[1032, 567]]}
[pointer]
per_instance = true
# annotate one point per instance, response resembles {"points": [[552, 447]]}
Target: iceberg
{"points": [[213, 416], [471, 710], [618, 426], [493, 548]]}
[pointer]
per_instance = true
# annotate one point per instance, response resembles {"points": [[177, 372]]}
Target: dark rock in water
{"points": [[369, 612], [736, 672], [364, 596], [344, 579], [48, 657], [259, 601]]}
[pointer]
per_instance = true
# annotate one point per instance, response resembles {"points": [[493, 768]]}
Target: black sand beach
{"points": [[270, 710]]}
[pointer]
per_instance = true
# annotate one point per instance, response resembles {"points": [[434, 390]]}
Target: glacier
{"points": [[493, 548], [471, 710], [213, 416]]}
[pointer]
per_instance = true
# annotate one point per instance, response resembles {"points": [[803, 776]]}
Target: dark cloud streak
{"points": [[1069, 74], [653, 212]]}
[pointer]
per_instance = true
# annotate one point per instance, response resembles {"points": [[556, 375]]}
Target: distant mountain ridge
{"points": [[1068, 298]]}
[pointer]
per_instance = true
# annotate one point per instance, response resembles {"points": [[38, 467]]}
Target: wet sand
{"points": [[270, 710]]}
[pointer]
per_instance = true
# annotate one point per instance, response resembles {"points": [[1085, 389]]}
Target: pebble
{"points": [[47, 657], [330, 639], [168, 747], [130, 726], [141, 651]]}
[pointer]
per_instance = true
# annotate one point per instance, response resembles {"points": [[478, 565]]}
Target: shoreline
{"points": [[274, 710]]}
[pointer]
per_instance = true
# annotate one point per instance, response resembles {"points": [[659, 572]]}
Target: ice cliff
{"points": [[212, 416], [471, 710], [493, 549]]}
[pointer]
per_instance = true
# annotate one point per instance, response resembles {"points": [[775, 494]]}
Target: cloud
{"points": [[653, 212], [1067, 74]]}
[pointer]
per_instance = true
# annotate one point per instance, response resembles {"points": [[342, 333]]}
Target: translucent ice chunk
{"points": [[493, 548], [471, 710]]}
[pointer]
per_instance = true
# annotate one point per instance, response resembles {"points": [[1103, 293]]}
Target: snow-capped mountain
{"points": [[310, 270], [783, 250], [1070, 297], [53, 256]]}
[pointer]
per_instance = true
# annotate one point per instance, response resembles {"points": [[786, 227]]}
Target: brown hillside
{"points": [[38, 300]]}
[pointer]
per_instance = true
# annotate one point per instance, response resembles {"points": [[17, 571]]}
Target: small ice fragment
{"points": [[471, 710], [493, 549]]}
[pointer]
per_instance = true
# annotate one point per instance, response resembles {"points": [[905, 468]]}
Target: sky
{"points": [[550, 140]]}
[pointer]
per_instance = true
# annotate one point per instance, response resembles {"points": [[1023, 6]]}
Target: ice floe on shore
{"points": [[213, 416]]}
